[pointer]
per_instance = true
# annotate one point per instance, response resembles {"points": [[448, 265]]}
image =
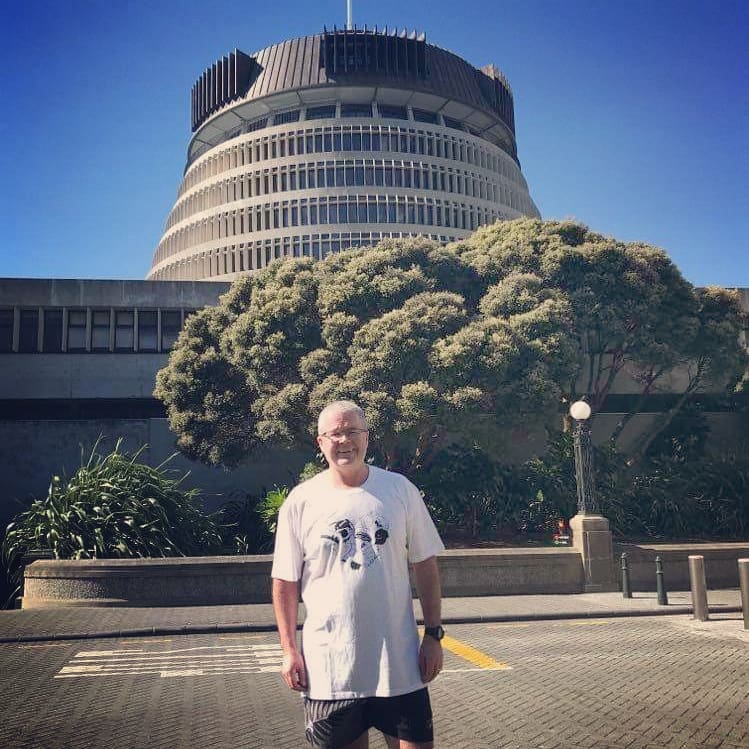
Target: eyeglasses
{"points": [[343, 434]]}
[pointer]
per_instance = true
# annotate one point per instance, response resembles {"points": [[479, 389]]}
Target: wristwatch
{"points": [[437, 632]]}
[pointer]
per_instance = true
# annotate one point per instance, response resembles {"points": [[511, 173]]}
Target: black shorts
{"points": [[331, 724]]}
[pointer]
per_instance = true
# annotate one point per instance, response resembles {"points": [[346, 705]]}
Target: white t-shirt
{"points": [[351, 548]]}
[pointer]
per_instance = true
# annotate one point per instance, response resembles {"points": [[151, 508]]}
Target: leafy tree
{"points": [[634, 314], [445, 345], [408, 328]]}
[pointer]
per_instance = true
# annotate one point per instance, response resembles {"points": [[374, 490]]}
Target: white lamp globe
{"points": [[580, 411]]}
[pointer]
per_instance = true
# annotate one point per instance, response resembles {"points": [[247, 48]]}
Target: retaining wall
{"points": [[721, 564], [464, 572]]}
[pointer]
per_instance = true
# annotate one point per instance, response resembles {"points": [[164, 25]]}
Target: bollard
{"points": [[660, 585], [699, 589], [626, 590], [744, 583]]}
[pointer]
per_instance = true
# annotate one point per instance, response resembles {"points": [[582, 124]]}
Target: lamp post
{"points": [[591, 535], [586, 491]]}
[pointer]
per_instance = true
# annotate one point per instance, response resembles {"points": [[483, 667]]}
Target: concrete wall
{"points": [[464, 572], [31, 452], [721, 568]]}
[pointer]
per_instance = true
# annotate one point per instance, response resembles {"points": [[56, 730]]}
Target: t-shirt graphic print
{"points": [[357, 545]]}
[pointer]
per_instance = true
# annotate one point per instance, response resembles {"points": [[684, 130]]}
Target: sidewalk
{"points": [[88, 623]]}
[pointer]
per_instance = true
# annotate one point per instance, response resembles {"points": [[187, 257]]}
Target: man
{"points": [[346, 538]]}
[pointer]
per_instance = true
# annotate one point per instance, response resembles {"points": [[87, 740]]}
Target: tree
{"points": [[431, 350], [634, 314], [457, 344]]}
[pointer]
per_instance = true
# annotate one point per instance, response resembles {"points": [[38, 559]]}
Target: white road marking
{"points": [[198, 661]]}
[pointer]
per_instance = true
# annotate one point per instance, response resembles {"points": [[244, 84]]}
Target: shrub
{"points": [[241, 526], [112, 507], [270, 507]]}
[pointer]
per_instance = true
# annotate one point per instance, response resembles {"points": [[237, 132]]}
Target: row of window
{"points": [[58, 329], [249, 256], [341, 209], [343, 138], [349, 173], [338, 111]]}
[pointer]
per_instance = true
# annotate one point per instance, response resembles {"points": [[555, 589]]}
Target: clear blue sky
{"points": [[632, 117]]}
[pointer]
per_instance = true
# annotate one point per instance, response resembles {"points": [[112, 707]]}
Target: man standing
{"points": [[346, 538]]}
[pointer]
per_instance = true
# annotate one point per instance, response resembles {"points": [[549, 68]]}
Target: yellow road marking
{"points": [[45, 645], [472, 655], [585, 623], [510, 625], [241, 637]]}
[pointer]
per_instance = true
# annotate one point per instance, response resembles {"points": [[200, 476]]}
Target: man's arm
{"points": [[427, 578], [285, 607]]}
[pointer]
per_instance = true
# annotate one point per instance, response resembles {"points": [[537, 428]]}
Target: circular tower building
{"points": [[337, 140]]}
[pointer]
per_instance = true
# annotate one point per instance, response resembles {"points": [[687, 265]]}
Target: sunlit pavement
{"points": [[655, 682]]}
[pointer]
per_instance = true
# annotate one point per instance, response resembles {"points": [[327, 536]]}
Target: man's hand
{"points": [[293, 671], [430, 658]]}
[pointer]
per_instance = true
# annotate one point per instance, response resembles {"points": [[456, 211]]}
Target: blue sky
{"points": [[632, 117]]}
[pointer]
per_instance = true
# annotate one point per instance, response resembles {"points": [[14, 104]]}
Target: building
{"points": [[305, 148], [335, 140]]}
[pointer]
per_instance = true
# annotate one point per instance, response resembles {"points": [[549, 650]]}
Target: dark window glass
{"points": [[320, 113], [147, 340], [170, 325], [290, 116], [356, 110], [6, 330], [76, 330], [124, 337], [421, 115], [52, 336], [393, 113], [257, 125], [28, 333], [100, 330]]}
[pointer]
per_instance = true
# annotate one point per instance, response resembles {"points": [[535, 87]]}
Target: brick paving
{"points": [[662, 682], [40, 624]]}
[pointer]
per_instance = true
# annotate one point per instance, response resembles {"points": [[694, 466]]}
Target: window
{"points": [[147, 327], [28, 332], [291, 116], [124, 337], [356, 110], [392, 113], [100, 330], [76, 330], [421, 115], [6, 330], [256, 125], [320, 113], [52, 341]]}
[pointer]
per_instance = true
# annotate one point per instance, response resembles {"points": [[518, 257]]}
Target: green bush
{"points": [[270, 507], [466, 491], [241, 527], [704, 498], [112, 507]]}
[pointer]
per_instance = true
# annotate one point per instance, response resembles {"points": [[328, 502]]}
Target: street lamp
{"points": [[586, 496]]}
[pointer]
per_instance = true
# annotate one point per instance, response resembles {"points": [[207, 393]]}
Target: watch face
{"points": [[437, 632]]}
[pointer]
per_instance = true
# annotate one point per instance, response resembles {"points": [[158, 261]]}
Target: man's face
{"points": [[342, 447]]}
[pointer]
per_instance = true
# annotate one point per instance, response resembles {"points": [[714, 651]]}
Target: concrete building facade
{"points": [[337, 140]]}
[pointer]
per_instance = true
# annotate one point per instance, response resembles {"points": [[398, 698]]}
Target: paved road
{"points": [[644, 683]]}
